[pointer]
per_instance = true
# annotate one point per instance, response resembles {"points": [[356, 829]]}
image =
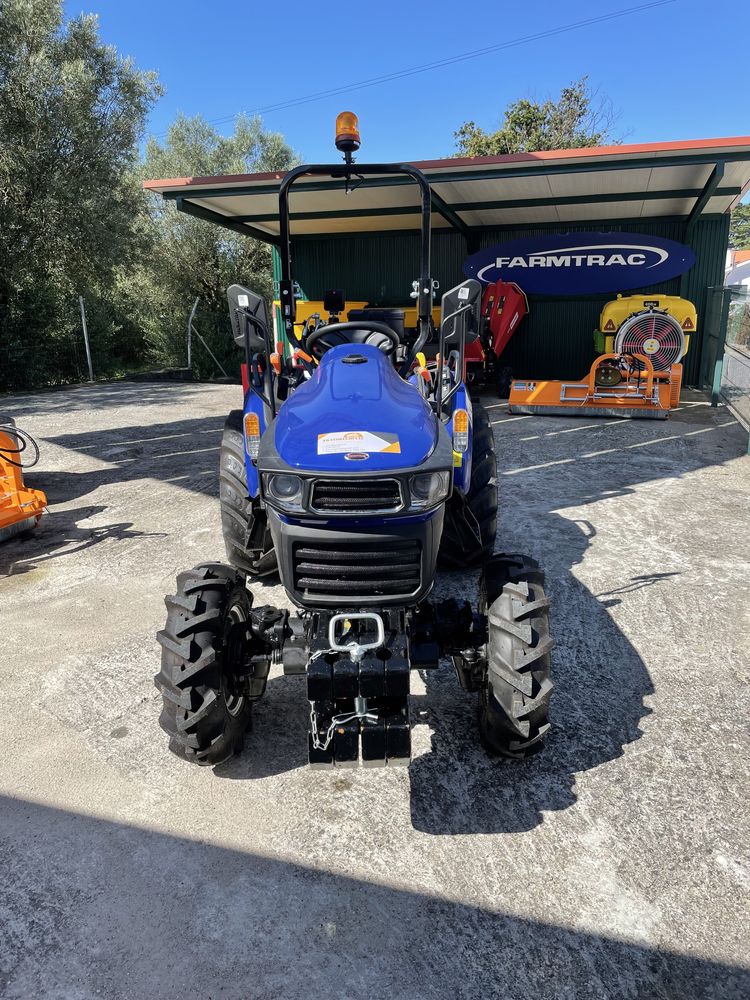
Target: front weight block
{"points": [[398, 739], [345, 678], [397, 675], [319, 680], [371, 676], [346, 744], [373, 743]]}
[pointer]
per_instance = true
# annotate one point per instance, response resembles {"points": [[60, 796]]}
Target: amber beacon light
{"points": [[347, 132]]}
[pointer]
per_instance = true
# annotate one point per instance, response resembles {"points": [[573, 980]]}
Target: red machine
{"points": [[504, 305]]}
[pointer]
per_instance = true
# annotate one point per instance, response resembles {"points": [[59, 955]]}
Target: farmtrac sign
{"points": [[581, 263]]}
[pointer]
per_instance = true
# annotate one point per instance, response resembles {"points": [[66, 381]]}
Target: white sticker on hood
{"points": [[342, 442]]}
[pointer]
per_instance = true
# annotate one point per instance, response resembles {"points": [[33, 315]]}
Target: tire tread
{"points": [[514, 704]]}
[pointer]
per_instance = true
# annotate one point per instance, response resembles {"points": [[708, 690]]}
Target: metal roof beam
{"points": [[480, 206], [448, 213], [459, 176], [504, 227], [228, 222], [709, 191]]}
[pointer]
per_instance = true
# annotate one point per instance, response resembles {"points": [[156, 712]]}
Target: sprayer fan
{"points": [[656, 334]]}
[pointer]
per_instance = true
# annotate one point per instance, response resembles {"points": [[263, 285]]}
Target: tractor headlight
{"points": [[428, 489], [284, 490]]}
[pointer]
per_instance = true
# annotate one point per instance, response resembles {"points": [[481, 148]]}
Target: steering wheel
{"points": [[338, 331]]}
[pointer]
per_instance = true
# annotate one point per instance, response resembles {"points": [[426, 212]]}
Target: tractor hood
{"points": [[355, 414]]}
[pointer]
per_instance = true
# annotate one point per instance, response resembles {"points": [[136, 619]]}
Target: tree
{"points": [[72, 112], [577, 119], [739, 228], [195, 258]]}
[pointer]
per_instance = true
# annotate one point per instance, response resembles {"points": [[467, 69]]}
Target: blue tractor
{"points": [[356, 468]]}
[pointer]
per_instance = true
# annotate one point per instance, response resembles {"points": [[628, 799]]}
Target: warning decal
{"points": [[342, 442]]}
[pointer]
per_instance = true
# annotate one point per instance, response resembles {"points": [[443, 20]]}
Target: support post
{"points": [[86, 337], [706, 194], [190, 333]]}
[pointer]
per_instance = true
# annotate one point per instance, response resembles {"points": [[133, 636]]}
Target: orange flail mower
{"points": [[20, 508], [617, 385], [639, 375]]}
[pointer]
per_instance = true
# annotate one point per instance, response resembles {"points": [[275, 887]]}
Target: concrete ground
{"points": [[613, 865]]}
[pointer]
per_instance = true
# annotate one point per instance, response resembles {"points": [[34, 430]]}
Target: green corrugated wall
{"points": [[555, 340]]}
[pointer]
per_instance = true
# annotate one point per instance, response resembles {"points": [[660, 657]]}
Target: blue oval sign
{"points": [[581, 263]]}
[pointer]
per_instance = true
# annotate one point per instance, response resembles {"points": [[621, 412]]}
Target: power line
{"points": [[439, 63]]}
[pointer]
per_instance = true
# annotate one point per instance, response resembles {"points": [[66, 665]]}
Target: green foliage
{"points": [[739, 229], [71, 114], [574, 121], [194, 258]]}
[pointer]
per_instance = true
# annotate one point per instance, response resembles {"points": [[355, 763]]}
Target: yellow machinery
{"points": [[636, 309], [643, 339], [20, 508], [306, 310]]}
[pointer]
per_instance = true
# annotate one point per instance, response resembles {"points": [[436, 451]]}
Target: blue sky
{"points": [[672, 72]]}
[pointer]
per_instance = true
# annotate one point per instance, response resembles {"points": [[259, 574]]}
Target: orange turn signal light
{"points": [[460, 421], [252, 434], [460, 430], [347, 132]]}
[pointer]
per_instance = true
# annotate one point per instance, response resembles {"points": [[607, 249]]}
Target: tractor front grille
{"points": [[351, 569], [356, 496]]}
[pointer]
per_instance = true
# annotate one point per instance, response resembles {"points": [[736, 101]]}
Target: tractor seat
{"points": [[392, 317]]}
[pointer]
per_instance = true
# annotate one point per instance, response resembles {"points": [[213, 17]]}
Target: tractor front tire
{"points": [[461, 548], [247, 539], [205, 707], [516, 690]]}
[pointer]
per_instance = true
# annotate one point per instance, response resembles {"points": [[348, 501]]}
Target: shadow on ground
{"points": [[62, 533], [92, 907], [182, 452], [601, 681], [100, 396], [600, 685]]}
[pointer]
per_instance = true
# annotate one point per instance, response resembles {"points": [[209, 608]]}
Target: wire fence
{"points": [[24, 365], [189, 345]]}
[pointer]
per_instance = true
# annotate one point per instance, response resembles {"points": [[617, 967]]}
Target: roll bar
{"points": [[346, 172]]}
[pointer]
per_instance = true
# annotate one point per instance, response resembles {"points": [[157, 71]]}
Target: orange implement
{"points": [[647, 393], [20, 508]]}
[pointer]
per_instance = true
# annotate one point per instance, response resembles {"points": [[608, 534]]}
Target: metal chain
{"points": [[336, 720]]}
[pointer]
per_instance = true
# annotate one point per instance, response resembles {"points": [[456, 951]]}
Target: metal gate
{"points": [[725, 359]]}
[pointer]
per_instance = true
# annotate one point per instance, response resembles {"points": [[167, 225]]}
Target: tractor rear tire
{"points": [[205, 707], [516, 690], [240, 517], [480, 505]]}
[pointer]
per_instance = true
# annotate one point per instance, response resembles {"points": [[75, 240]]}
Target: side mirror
{"points": [[461, 309], [247, 311]]}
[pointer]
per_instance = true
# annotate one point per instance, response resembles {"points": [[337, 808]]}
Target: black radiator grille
{"points": [[351, 569], [356, 496]]}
